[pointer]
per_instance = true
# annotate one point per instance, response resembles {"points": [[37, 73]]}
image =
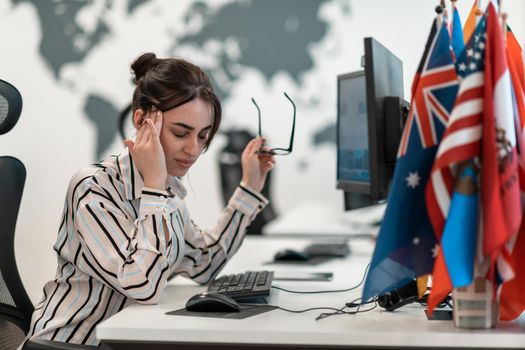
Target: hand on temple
{"points": [[148, 154]]}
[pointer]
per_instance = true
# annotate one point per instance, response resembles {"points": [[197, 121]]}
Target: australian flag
{"points": [[406, 244]]}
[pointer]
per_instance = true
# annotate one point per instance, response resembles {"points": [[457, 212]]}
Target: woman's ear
{"points": [[138, 118]]}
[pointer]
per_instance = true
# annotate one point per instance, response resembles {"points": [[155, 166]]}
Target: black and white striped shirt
{"points": [[112, 249]]}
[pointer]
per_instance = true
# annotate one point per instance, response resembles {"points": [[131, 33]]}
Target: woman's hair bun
{"points": [[143, 64]]}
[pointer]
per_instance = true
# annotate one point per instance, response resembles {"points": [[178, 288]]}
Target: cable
{"points": [[309, 309], [336, 311], [350, 304], [326, 291], [305, 310], [445, 302]]}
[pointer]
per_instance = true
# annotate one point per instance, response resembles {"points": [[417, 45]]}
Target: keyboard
{"points": [[327, 249], [243, 285]]}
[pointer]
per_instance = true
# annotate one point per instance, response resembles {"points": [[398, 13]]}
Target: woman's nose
{"points": [[192, 147]]}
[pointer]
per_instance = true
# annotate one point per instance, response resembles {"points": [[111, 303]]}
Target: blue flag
{"points": [[406, 242], [457, 34]]}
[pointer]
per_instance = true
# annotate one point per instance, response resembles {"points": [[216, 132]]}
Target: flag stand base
{"points": [[474, 306]]}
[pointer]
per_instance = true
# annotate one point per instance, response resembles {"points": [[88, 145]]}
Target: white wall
{"points": [[53, 138]]}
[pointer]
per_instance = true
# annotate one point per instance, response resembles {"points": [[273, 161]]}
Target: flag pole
{"points": [[504, 17], [439, 11], [443, 5]]}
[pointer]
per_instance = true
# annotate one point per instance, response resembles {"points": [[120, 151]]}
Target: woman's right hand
{"points": [[148, 154]]}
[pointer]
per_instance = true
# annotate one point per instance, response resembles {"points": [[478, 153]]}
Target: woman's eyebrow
{"points": [[188, 127]]}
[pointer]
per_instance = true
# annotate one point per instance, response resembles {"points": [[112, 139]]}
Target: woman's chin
{"points": [[178, 172]]}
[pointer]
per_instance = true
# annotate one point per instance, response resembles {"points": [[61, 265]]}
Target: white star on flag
{"points": [[462, 66], [413, 180], [415, 240], [435, 251], [472, 65], [470, 52], [481, 45]]}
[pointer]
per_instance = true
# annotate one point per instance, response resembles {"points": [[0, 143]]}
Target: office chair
{"points": [[15, 306], [230, 167]]}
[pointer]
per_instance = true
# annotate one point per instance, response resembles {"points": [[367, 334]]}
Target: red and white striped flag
{"points": [[499, 174], [461, 142]]}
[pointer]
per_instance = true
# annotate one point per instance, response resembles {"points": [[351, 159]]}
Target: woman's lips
{"points": [[184, 163]]}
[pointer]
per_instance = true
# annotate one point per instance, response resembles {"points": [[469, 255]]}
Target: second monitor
{"points": [[370, 116]]}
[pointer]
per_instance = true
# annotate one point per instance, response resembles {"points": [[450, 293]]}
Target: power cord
{"points": [[336, 311]]}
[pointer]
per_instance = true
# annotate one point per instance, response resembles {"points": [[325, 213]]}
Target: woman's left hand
{"points": [[255, 165]]}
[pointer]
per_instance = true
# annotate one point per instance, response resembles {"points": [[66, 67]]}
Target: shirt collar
{"points": [[133, 182]]}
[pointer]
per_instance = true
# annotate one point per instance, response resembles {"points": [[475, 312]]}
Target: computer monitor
{"points": [[370, 116]]}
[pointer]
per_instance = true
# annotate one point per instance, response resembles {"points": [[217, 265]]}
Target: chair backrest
{"points": [[230, 167], [15, 306]]}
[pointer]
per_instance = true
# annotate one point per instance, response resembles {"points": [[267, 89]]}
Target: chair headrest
{"points": [[10, 106]]}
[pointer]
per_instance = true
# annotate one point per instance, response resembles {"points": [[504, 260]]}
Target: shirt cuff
{"points": [[153, 201], [247, 200]]}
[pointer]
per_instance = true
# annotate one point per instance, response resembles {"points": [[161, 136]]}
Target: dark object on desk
{"points": [[291, 255], [339, 250], [212, 302], [242, 286], [399, 297], [440, 315], [246, 311]]}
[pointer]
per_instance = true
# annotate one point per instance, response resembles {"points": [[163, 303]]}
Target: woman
{"points": [[125, 227]]}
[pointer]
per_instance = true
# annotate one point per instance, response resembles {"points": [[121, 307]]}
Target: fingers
{"points": [[254, 145], [268, 164], [140, 133], [129, 143], [158, 121]]}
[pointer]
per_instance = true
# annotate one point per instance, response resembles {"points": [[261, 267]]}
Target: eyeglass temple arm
{"points": [[293, 123], [259, 114]]}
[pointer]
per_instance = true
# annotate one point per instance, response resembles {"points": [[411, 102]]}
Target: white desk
{"points": [[150, 327]]}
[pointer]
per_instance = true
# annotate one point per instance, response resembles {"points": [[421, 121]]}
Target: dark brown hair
{"points": [[166, 83]]}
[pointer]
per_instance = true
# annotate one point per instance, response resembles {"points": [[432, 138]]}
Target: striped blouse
{"points": [[112, 249]]}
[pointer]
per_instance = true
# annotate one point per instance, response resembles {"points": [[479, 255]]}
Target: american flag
{"points": [[462, 137], [461, 142]]}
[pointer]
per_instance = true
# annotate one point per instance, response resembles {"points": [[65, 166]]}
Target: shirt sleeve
{"points": [[207, 251], [129, 255]]}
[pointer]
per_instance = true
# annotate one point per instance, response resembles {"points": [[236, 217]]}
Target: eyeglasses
{"points": [[278, 151]]}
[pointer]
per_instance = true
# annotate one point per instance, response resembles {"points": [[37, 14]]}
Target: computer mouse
{"points": [[291, 255], [212, 302]]}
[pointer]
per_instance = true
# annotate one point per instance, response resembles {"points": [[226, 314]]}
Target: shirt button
{"points": [[162, 197]]}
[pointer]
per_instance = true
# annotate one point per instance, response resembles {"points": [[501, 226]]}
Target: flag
{"points": [[454, 214], [499, 174], [457, 34], [515, 63], [512, 298], [472, 21], [405, 244]]}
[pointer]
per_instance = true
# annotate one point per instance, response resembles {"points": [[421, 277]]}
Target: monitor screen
{"points": [[352, 148]]}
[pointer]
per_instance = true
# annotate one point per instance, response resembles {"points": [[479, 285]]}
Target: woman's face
{"points": [[185, 131]]}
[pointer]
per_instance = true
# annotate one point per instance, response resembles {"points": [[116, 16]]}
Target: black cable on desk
{"points": [[336, 311]]}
